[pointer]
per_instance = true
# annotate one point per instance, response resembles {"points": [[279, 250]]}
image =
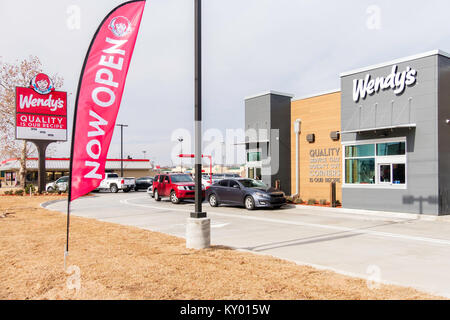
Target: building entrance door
{"points": [[254, 173]]}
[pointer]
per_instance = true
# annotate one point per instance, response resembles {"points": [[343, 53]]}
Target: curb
{"points": [[44, 205], [386, 214]]}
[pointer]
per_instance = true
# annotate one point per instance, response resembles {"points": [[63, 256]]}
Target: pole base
{"points": [[198, 215], [198, 233]]}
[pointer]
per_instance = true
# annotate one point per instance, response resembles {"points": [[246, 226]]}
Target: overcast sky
{"points": [[249, 46]]}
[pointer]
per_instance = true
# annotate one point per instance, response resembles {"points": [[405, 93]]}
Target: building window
{"points": [[392, 173], [385, 173], [361, 171], [364, 150], [253, 156], [379, 164], [391, 149]]}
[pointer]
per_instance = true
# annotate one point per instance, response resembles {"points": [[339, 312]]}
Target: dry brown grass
{"points": [[119, 262]]}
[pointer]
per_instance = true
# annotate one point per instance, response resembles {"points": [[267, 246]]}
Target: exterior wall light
{"points": [[311, 138], [335, 135]]}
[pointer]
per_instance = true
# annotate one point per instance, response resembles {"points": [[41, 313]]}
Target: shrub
{"points": [[19, 192], [30, 187], [323, 202], [298, 201], [289, 199], [311, 201], [338, 203], [8, 193]]}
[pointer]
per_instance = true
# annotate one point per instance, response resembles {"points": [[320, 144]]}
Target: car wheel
{"points": [[249, 203], [156, 195], [173, 198], [126, 190], [213, 201], [114, 188], [50, 189]]}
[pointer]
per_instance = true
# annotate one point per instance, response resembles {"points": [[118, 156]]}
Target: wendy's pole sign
{"points": [[41, 117], [41, 111], [100, 89]]}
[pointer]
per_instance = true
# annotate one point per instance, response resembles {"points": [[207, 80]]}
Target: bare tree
{"points": [[12, 75]]}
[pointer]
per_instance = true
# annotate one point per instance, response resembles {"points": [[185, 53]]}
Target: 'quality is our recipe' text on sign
{"points": [[41, 116]]}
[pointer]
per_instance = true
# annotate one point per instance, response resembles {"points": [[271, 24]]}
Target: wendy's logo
{"points": [[120, 26], [42, 84]]}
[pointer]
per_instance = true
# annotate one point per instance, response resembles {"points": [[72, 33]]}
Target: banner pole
{"points": [[66, 251]]}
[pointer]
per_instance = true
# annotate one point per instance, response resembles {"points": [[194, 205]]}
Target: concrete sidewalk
{"points": [[375, 214]]}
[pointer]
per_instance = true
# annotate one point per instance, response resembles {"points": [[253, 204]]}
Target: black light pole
{"points": [[198, 112], [121, 146]]}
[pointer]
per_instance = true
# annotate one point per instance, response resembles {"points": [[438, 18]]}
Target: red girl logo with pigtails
{"points": [[120, 26], [42, 84]]}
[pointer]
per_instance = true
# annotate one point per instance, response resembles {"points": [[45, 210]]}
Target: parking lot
{"points": [[391, 249]]}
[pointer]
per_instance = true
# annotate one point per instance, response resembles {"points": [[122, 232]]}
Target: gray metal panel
{"points": [[257, 112], [444, 134], [272, 111], [418, 104], [281, 117], [257, 116]]}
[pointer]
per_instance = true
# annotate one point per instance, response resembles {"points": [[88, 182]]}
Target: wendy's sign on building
{"points": [[41, 112], [396, 81]]}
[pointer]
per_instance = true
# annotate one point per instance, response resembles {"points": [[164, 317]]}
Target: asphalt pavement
{"points": [[380, 247]]}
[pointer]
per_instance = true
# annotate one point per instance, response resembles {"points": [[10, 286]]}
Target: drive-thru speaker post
{"points": [[198, 227]]}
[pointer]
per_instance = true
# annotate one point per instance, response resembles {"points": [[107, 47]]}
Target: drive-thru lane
{"points": [[393, 249]]}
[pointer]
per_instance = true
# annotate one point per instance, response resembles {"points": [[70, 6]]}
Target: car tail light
{"points": [[123, 181]]}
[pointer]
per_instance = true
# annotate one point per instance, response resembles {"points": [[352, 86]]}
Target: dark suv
{"points": [[143, 183], [176, 186], [247, 192]]}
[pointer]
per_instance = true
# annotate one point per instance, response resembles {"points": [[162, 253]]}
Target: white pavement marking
{"points": [[221, 225], [304, 224]]}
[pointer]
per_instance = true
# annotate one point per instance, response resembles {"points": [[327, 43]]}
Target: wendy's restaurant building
{"points": [[395, 135], [383, 139]]}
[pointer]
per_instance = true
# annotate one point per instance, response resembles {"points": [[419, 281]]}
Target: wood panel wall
{"points": [[320, 115]]}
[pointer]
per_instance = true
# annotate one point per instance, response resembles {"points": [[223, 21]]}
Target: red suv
{"points": [[176, 186]]}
